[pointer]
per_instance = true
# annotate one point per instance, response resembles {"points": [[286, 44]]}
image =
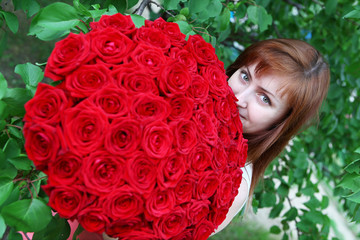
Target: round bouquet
{"points": [[140, 136]]}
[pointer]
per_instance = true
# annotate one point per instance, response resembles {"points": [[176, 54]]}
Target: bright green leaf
{"points": [[28, 215], [6, 187], [351, 181], [58, 229], [355, 197], [283, 190], [30, 73], [324, 202], [214, 8], [223, 20], [3, 86], [275, 230], [315, 217], [185, 28], [11, 20], [313, 203], [139, 21], [2, 227], [196, 6], [81, 9], [171, 4], [241, 11], [11, 149], [268, 199], [3, 114], [21, 162], [353, 14], [353, 167], [258, 15], [120, 5]]}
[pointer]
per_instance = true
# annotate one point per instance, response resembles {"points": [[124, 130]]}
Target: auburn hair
{"points": [[307, 80]]}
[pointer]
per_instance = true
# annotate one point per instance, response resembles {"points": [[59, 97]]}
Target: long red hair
{"points": [[308, 78]]}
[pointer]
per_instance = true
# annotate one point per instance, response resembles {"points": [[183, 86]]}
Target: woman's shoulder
{"points": [[247, 172]]}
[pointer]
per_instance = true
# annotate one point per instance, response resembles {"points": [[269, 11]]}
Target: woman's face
{"points": [[260, 103]]}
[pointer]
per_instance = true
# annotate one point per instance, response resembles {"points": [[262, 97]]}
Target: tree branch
{"points": [[140, 9], [276, 30], [158, 5]]}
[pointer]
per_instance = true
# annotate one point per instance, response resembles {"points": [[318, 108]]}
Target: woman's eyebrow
{"points": [[249, 73]]}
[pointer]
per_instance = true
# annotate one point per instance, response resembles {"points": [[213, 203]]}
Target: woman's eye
{"points": [[244, 76], [265, 99]]}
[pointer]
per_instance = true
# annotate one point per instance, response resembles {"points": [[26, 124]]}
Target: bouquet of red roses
{"points": [[141, 136]]}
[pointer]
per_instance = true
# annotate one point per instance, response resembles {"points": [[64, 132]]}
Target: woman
{"points": [[280, 85]]}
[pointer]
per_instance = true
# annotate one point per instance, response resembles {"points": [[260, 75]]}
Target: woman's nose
{"points": [[243, 97]]}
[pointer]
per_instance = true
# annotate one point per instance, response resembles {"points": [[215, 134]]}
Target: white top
{"points": [[241, 199]]}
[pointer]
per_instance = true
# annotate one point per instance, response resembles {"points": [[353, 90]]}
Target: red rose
{"points": [[64, 169], [203, 230], [150, 107], [199, 89], [172, 30], [170, 171], [93, 220], [185, 188], [181, 107], [206, 127], [67, 201], [185, 57], [122, 23], [236, 176], [157, 139], [143, 233], [174, 79], [185, 235], [220, 157], [86, 80], [208, 106], [203, 51], [207, 185], [47, 105], [123, 203], [217, 80], [148, 58], [160, 203], [124, 226], [218, 215], [224, 192], [141, 173], [123, 137], [113, 101], [232, 103], [152, 37], [197, 210], [200, 157], [111, 45], [84, 128], [185, 133], [171, 224], [68, 55], [223, 133], [102, 172], [222, 110], [134, 80], [43, 143]]}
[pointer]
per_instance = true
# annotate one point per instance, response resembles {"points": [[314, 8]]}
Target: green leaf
{"points": [[355, 197], [21, 162], [28, 215], [350, 181], [30, 74], [268, 199], [11, 149], [31, 7], [196, 6], [77, 232], [275, 211], [353, 14], [6, 187], [258, 15], [301, 160], [2, 226], [291, 214], [11, 20], [3, 86], [223, 20], [139, 21], [53, 21], [214, 8], [283, 190], [275, 230], [324, 202], [132, 3], [58, 229], [81, 9], [313, 203], [15, 98], [7, 170], [330, 6], [353, 167], [171, 4], [315, 217], [185, 28], [241, 11]]}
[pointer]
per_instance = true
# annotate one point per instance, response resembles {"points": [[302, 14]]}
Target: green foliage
{"points": [[324, 154]]}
